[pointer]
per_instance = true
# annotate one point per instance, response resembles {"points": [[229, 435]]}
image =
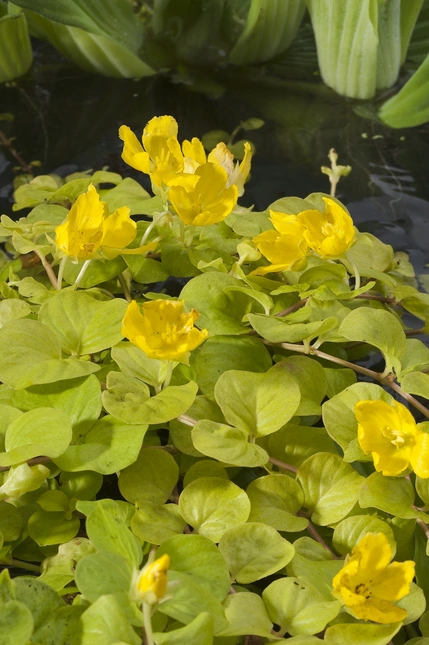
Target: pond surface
{"points": [[68, 120]]}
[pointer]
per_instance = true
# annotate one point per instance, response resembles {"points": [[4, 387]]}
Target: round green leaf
{"points": [[213, 505], [101, 574], [199, 558], [228, 445], [155, 524], [47, 528], [104, 623], [331, 487], [44, 431], [348, 532], [297, 607], [295, 443], [394, 495], [198, 632], [134, 362], [11, 521], [246, 614], [151, 478], [311, 379], [204, 468], [254, 551], [16, 624], [106, 530], [360, 634], [260, 404], [275, 501]]}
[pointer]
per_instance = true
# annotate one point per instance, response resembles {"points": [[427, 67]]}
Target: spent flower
{"points": [[162, 329], [89, 231], [395, 441], [369, 584]]}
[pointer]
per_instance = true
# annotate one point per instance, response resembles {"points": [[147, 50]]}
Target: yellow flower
{"points": [[160, 156], [203, 198], [391, 435], [238, 173], [284, 246], [369, 583], [331, 233], [89, 231], [152, 581], [163, 330]]}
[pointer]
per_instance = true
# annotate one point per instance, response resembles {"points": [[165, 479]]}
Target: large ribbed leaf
{"points": [[16, 54], [410, 106], [409, 14], [270, 28], [113, 18], [419, 44]]}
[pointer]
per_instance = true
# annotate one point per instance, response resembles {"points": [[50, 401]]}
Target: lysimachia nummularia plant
{"points": [[217, 467]]}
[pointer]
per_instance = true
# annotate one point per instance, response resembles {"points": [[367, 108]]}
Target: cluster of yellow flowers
{"points": [[201, 189], [329, 234]]}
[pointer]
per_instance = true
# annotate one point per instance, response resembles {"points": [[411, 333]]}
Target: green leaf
{"points": [[31, 356], [11, 522], [311, 379], [134, 362], [61, 627], [410, 106], [23, 479], [204, 468], [80, 398], [12, 309], [222, 353], [213, 505], [297, 607], [16, 624], [121, 24], [47, 528], [129, 401], [246, 614], [59, 570], [394, 495], [43, 431], [316, 571], [254, 551], [220, 313], [279, 330], [275, 501], [108, 447], [82, 324], [416, 383], [198, 632], [98, 271], [227, 444], [295, 443], [331, 487], [379, 328], [128, 192], [188, 599], [146, 270], [260, 404], [361, 634], [155, 524], [151, 478], [339, 416], [107, 532], [38, 597], [101, 574], [348, 532], [338, 380], [414, 603], [104, 623], [199, 558]]}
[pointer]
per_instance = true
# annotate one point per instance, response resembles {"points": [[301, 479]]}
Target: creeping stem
{"points": [[82, 272], [49, 270]]}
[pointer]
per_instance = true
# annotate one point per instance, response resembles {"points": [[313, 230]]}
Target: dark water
{"points": [[68, 120]]}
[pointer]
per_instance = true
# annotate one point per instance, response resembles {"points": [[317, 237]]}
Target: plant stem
{"points": [[9, 145], [292, 308], [30, 462], [282, 465], [81, 273], [61, 272], [147, 611], [316, 536], [187, 420], [423, 526], [153, 223], [11, 562], [125, 288], [49, 270], [168, 375]]}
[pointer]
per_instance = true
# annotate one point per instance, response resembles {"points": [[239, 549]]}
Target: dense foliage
{"points": [[219, 465]]}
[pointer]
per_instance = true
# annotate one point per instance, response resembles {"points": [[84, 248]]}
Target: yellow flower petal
{"points": [[152, 582], [162, 329], [222, 156], [368, 582], [194, 154], [81, 233], [281, 250], [119, 229], [133, 153], [331, 233]]}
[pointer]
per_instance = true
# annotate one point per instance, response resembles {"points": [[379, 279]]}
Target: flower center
{"points": [[363, 590], [396, 437]]}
